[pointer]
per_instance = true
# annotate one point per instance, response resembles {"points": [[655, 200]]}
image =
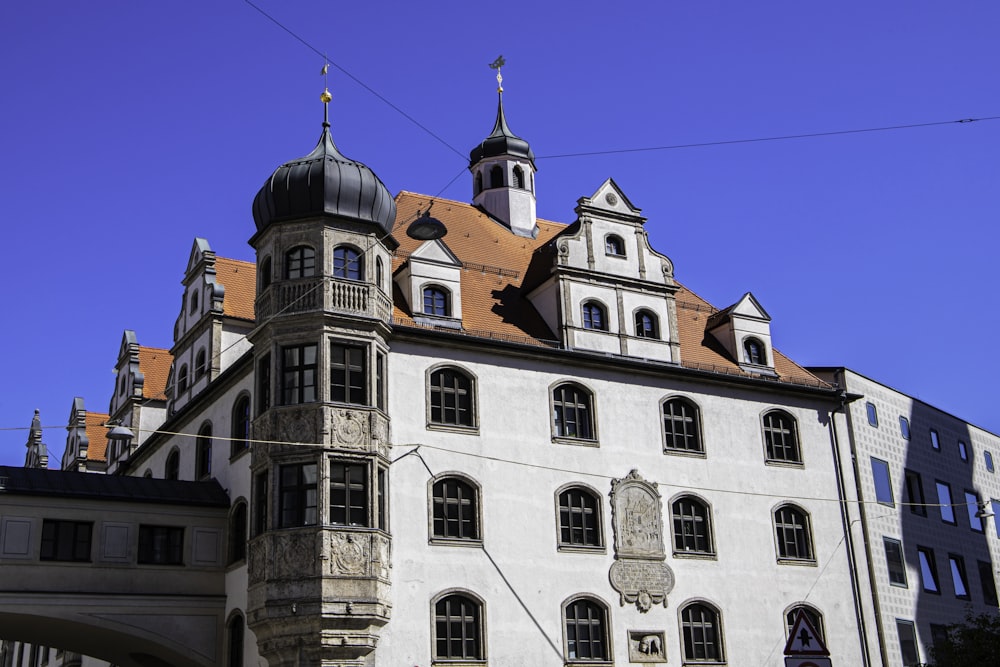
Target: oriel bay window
{"points": [[297, 495], [348, 376], [349, 493], [298, 374]]}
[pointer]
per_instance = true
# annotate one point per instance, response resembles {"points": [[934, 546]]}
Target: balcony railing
{"points": [[329, 294]]}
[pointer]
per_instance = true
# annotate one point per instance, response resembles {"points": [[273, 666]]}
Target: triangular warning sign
{"points": [[803, 639]]}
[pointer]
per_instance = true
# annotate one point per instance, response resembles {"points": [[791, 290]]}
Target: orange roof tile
{"points": [[240, 280], [493, 304], [154, 364], [97, 434]]}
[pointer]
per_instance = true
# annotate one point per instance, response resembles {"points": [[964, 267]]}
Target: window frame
{"points": [[972, 502], [946, 509], [297, 392], [989, 591], [567, 511], [880, 465], [235, 640], [959, 576], [496, 176], [439, 506], [671, 436], [814, 616], [239, 532], [517, 177], [203, 452], [182, 379], [477, 622], [200, 365], [749, 357], [151, 548], [706, 533], [927, 567], [345, 373], [172, 465], [583, 404], [768, 431], [264, 275], [988, 460], [588, 310], [241, 425], [598, 624], [640, 319], [348, 263], [614, 246], [913, 481], [465, 410], [912, 638], [801, 532], [872, 413], [294, 499], [66, 541], [687, 639], [345, 488], [440, 300], [963, 451], [299, 263], [904, 427], [895, 566], [935, 440]]}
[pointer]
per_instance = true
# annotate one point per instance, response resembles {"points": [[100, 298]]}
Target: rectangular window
{"points": [[261, 509], [904, 427], [935, 441], [264, 384], [989, 584], [958, 579], [972, 507], [382, 496], [380, 381], [348, 494], [988, 458], [872, 414], [161, 545], [963, 450], [66, 540], [939, 635], [995, 504], [944, 502], [883, 485], [928, 570], [297, 495], [298, 374], [894, 562], [907, 643], [348, 379], [915, 493]]}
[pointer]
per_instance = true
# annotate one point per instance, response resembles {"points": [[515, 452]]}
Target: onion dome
{"points": [[501, 142], [324, 183]]}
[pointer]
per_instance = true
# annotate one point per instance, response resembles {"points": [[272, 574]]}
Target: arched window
{"points": [[595, 316], [647, 324], [702, 634], [194, 301], [199, 364], [238, 533], [792, 533], [203, 457], [692, 526], [814, 617], [458, 628], [437, 301], [378, 273], [241, 426], [172, 468], [681, 427], [347, 263], [182, 379], [452, 398], [264, 274], [148, 474], [585, 624], [479, 182], [755, 352], [300, 262], [614, 246], [579, 518], [235, 632], [572, 412], [781, 437], [496, 176], [455, 510], [518, 178]]}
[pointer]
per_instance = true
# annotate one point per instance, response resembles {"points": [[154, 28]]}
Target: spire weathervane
{"points": [[326, 96], [497, 64]]}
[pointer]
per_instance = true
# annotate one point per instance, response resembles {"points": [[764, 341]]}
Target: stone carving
{"points": [[638, 522], [639, 574], [381, 558], [256, 559], [646, 646], [297, 426], [294, 555], [380, 433], [642, 582], [347, 554], [348, 428]]}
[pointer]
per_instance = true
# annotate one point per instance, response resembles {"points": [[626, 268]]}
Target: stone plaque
{"points": [[643, 582], [349, 429], [637, 518], [347, 554], [646, 646]]}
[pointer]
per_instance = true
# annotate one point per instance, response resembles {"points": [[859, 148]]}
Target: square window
{"points": [[894, 562], [872, 414], [883, 486], [944, 502]]}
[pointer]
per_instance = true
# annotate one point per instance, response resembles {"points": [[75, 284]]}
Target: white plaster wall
{"points": [[519, 469]]}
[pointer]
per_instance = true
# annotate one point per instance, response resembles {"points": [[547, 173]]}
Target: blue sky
{"points": [[130, 128]]}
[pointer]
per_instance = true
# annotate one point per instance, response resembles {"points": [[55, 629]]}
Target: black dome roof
{"points": [[501, 142], [324, 183]]}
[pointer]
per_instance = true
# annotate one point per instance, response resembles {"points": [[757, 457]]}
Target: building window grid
{"points": [[66, 540], [972, 504], [907, 634], [349, 494], [702, 637], [945, 503], [436, 302], [300, 262], [457, 632], [959, 580], [646, 325], [894, 561], [595, 316], [203, 451], [586, 631], [781, 438], [963, 451], [297, 495], [681, 427], [572, 414], [613, 245], [241, 426], [791, 527], [455, 512], [347, 263], [579, 519], [928, 570], [872, 413], [935, 441], [161, 545], [348, 374], [915, 493], [451, 398], [298, 374], [692, 526]]}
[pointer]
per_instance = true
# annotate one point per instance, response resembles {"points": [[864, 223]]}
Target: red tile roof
{"points": [[240, 280], [97, 434], [154, 364]]}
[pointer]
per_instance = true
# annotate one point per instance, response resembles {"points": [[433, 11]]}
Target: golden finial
{"points": [[326, 96], [497, 64]]}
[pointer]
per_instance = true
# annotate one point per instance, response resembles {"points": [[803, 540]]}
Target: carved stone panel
{"points": [[348, 554], [349, 429], [637, 518], [298, 426], [294, 554], [646, 646], [256, 561], [642, 582]]}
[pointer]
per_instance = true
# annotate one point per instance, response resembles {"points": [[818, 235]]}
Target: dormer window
{"points": [[614, 246], [436, 302], [755, 352], [646, 324], [347, 263], [595, 316], [300, 262], [518, 178], [496, 176]]}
